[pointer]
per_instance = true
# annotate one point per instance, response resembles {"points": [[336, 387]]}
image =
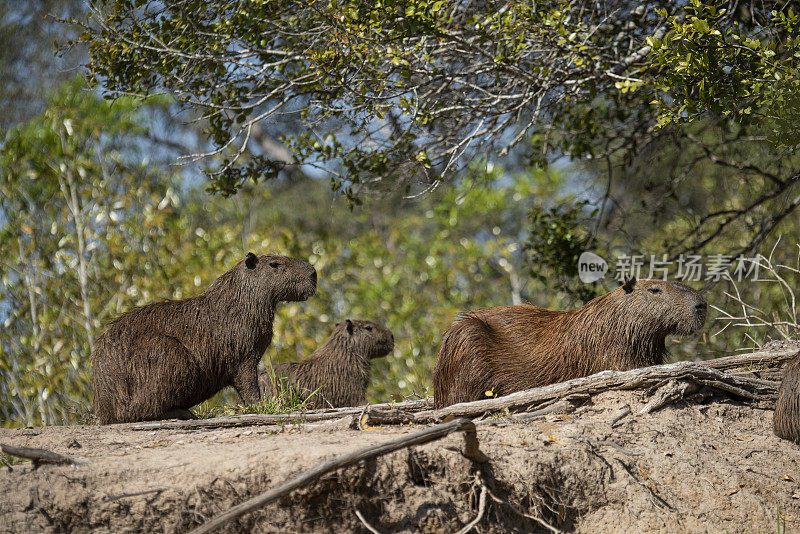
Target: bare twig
{"points": [[40, 456], [365, 523], [481, 510], [653, 495], [135, 494], [597, 443], [623, 413]]}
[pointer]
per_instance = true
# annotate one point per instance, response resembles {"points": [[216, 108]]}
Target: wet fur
{"points": [[161, 359], [512, 348], [339, 368], [786, 420]]}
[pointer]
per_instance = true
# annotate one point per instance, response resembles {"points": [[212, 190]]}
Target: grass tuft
{"points": [[287, 399]]}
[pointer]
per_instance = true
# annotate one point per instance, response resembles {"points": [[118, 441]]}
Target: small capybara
{"points": [[338, 370], [510, 348], [786, 420], [159, 360]]}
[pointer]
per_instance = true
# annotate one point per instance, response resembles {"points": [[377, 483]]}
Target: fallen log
{"points": [[646, 377]]}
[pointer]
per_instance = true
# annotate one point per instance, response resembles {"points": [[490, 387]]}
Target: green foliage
{"points": [[79, 224], [705, 64], [556, 240], [398, 89]]}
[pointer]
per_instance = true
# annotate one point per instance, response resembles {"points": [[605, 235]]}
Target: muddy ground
{"points": [[711, 467]]}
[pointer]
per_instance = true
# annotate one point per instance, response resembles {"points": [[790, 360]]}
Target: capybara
{"points": [[510, 348], [338, 370], [159, 360], [786, 420]]}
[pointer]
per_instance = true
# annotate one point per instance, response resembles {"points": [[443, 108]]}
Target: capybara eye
{"points": [[368, 328], [654, 290], [274, 264]]}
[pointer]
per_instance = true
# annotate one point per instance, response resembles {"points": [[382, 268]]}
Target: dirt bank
{"points": [[711, 467]]}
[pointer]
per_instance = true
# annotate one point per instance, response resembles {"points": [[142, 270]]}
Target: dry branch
{"points": [[346, 460], [740, 386], [772, 356], [669, 393], [40, 456], [255, 419]]}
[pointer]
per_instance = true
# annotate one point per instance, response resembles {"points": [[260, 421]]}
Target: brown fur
{"points": [[511, 348], [786, 420], [161, 359], [339, 368]]}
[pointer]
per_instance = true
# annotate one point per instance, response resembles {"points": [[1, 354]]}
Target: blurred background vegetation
{"points": [[95, 218]]}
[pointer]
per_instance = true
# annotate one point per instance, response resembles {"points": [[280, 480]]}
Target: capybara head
{"points": [[275, 277], [372, 340], [664, 307]]}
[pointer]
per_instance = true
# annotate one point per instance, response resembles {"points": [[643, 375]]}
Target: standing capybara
{"points": [[338, 370], [159, 360], [786, 420], [510, 348]]}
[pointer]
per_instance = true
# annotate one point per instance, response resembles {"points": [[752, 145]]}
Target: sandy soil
{"points": [[713, 467]]}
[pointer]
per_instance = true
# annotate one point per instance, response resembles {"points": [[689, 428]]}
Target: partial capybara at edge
{"points": [[512, 348], [338, 370], [786, 419], [159, 360]]}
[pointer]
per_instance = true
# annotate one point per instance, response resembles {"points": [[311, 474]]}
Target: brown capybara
{"points": [[786, 420], [510, 348], [338, 370], [159, 360]]}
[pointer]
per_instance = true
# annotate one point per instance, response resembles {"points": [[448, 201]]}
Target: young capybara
{"points": [[338, 370], [511, 348], [159, 360], [786, 420]]}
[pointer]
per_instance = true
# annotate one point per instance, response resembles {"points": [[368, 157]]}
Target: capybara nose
{"points": [[314, 276], [700, 306]]}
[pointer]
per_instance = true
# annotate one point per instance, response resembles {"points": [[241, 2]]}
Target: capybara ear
{"points": [[627, 287], [349, 326], [250, 260]]}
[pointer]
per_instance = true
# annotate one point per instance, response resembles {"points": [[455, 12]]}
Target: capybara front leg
{"points": [[245, 382]]}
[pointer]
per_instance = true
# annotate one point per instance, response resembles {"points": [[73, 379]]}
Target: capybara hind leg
{"points": [[245, 382], [166, 378], [178, 413]]}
